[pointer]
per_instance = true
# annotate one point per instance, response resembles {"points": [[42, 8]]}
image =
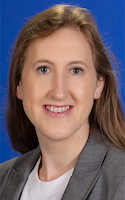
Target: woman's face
{"points": [[59, 84]]}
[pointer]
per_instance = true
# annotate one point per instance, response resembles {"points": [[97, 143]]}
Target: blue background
{"points": [[14, 14]]}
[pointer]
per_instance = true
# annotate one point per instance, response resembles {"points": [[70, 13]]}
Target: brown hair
{"points": [[106, 115]]}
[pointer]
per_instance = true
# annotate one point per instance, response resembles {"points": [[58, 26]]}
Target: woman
{"points": [[64, 112]]}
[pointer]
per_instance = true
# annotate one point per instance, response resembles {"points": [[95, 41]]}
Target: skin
{"points": [[59, 71]]}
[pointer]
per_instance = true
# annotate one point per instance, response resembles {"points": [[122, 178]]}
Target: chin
{"points": [[54, 134]]}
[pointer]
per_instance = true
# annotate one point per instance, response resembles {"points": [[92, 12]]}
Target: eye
{"points": [[77, 70], [43, 69]]}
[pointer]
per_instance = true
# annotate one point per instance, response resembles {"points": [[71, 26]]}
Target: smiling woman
{"points": [[63, 98], [69, 81]]}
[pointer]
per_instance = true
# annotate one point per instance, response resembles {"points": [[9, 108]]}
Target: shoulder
{"points": [[15, 172], [113, 172], [18, 162], [114, 164], [111, 179], [6, 166], [115, 160], [114, 157]]}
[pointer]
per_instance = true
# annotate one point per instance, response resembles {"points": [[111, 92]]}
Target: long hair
{"points": [[107, 114]]}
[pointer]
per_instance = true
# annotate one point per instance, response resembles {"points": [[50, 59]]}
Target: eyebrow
{"points": [[70, 63], [43, 61], [78, 62]]}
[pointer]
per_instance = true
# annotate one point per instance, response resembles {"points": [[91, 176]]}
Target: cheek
{"points": [[85, 90], [32, 86], [32, 101], [31, 96]]}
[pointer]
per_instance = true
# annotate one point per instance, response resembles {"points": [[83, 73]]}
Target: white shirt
{"points": [[35, 189]]}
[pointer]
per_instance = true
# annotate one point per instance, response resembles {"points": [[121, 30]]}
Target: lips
{"points": [[57, 109]]}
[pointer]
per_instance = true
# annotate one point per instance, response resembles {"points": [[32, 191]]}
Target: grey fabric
{"points": [[98, 175]]}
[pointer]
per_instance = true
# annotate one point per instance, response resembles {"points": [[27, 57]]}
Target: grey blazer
{"points": [[98, 175]]}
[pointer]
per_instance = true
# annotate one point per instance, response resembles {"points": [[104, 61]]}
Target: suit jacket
{"points": [[99, 174]]}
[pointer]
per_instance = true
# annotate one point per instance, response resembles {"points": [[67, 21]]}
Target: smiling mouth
{"points": [[55, 109]]}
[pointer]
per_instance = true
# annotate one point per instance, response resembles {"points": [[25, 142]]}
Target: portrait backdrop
{"points": [[109, 15]]}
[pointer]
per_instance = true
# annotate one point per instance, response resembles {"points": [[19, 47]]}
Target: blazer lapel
{"points": [[85, 175], [19, 175], [87, 170]]}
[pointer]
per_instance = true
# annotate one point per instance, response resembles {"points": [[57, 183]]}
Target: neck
{"points": [[60, 156]]}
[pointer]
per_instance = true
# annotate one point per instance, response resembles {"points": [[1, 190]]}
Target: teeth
{"points": [[52, 109], [57, 109]]}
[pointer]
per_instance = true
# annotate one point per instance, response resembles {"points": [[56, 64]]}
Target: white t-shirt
{"points": [[35, 189]]}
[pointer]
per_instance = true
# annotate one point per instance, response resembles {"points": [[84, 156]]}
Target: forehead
{"points": [[63, 35], [66, 43]]}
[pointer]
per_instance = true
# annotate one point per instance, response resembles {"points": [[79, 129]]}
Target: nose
{"points": [[59, 90]]}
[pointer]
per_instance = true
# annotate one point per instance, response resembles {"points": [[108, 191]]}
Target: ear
{"points": [[19, 91], [99, 87]]}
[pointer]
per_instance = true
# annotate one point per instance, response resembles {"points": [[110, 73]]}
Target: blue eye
{"points": [[76, 70], [43, 69]]}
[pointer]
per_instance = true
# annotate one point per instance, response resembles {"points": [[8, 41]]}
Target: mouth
{"points": [[57, 109]]}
